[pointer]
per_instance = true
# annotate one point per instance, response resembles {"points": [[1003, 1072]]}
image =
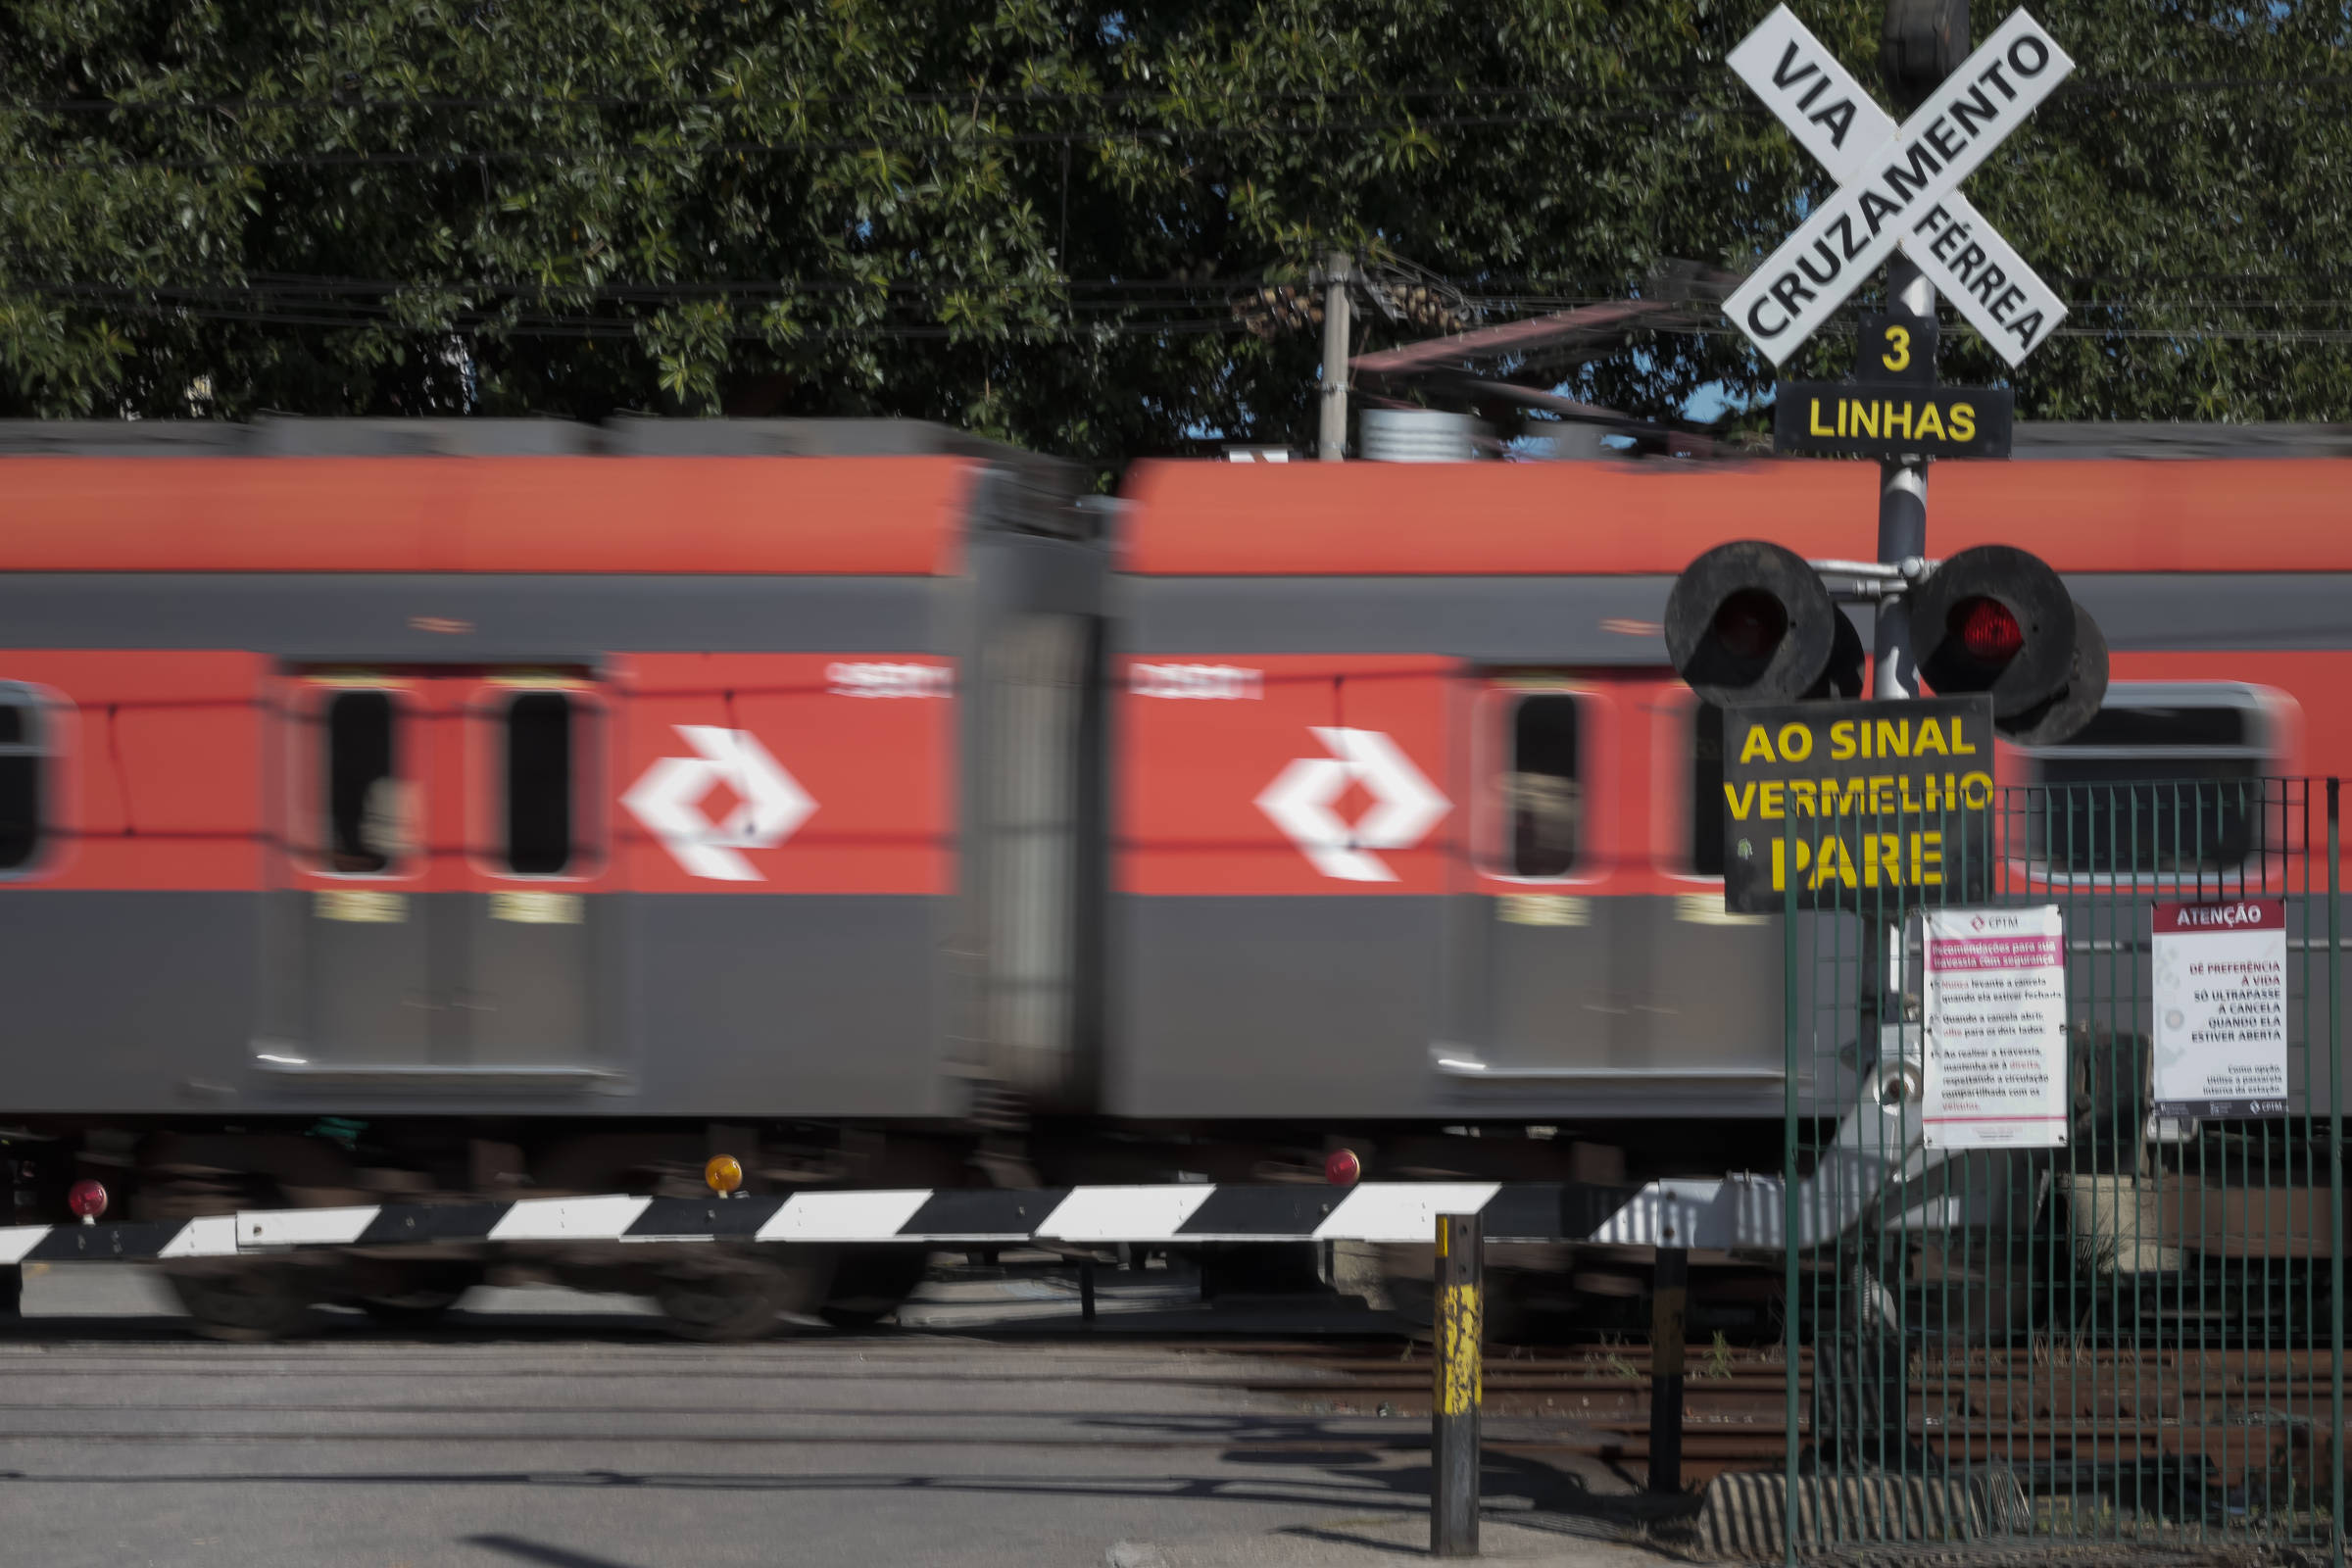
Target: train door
{"points": [[1554, 985], [1721, 1017], [523, 967], [1605, 956], [360, 757], [442, 838]]}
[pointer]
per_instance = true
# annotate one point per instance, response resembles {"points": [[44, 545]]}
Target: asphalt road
{"points": [[545, 1429]]}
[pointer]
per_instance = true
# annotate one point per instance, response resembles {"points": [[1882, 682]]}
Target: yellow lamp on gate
{"points": [[722, 1173]]}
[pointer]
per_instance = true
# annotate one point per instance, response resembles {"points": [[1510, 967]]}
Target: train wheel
{"points": [[421, 1296], [871, 1283], [1258, 1268], [728, 1300], [1410, 1290], [245, 1304]]}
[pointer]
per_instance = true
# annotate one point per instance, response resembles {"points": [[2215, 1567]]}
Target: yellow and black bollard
{"points": [[1459, 1386]]}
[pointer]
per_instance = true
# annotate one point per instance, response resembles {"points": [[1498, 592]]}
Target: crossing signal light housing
{"points": [[2064, 714], [1750, 622], [1997, 620], [1842, 677]]}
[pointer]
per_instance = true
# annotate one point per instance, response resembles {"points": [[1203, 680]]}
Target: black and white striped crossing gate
{"points": [[1743, 1211]]}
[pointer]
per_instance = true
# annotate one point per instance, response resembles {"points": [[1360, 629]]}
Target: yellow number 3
{"points": [[1899, 351]]}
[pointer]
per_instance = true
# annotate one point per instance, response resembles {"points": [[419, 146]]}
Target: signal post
{"points": [[1832, 803]]}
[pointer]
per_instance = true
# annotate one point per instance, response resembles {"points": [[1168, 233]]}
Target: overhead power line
{"points": [[1678, 88], [1038, 311], [1506, 294]]}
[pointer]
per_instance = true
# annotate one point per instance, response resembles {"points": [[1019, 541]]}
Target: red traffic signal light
{"points": [[1987, 631], [1995, 620]]}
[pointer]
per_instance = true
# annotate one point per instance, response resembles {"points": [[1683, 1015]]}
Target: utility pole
{"points": [[1336, 341]]}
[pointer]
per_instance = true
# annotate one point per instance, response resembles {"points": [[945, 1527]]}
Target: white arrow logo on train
{"points": [[769, 802], [1405, 805]]}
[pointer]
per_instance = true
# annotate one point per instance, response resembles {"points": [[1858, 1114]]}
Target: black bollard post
{"points": [[1085, 1289], [1459, 1387], [1668, 1300], [12, 1292]]}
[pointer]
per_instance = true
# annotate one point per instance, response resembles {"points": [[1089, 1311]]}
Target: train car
{"points": [[1415, 827], [472, 805]]}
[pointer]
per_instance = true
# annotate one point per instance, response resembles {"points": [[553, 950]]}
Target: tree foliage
{"points": [[1028, 219]]}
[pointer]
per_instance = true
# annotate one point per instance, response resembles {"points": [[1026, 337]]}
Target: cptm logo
{"points": [[1303, 796], [769, 802]]}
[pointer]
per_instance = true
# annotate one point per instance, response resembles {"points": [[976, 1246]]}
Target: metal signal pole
{"points": [[1902, 513], [1336, 340], [1920, 43]]}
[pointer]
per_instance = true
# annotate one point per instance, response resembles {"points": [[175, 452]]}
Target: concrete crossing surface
{"points": [[543, 1429]]}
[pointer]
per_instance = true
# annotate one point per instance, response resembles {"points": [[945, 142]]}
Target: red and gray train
{"points": [[499, 807]]}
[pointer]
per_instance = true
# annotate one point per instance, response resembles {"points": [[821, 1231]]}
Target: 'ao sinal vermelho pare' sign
{"points": [[2220, 986], [1863, 806]]}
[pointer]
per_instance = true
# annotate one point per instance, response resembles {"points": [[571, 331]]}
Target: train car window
{"points": [[1706, 789], [539, 784], [1542, 805], [24, 759], [2167, 778], [366, 803]]}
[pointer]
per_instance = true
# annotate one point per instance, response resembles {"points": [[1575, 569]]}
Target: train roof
{"points": [[2242, 498], [622, 435], [878, 496], [896, 497]]}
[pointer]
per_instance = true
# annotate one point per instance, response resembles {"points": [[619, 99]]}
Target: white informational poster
{"points": [[2221, 1009], [1995, 1021]]}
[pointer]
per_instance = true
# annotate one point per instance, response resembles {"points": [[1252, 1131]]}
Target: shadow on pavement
{"points": [[537, 1552]]}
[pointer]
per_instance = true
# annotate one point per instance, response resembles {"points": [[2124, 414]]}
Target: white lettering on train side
{"points": [[1212, 683], [890, 680]]}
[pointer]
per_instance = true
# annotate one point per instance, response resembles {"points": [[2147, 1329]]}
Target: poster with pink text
{"points": [[1995, 1016]]}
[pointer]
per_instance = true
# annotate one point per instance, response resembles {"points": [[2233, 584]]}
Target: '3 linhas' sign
{"points": [[1863, 806]]}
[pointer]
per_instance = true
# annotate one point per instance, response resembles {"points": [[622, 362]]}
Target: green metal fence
{"points": [[2134, 1336]]}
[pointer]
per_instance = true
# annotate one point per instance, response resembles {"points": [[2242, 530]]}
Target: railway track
{"points": [[469, 1446], [2245, 1413], [2241, 1415]]}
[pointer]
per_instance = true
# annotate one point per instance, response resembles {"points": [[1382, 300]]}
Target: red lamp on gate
{"points": [[86, 1198]]}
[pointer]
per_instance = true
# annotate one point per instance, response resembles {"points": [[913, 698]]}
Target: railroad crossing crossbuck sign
{"points": [[1897, 185]]}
